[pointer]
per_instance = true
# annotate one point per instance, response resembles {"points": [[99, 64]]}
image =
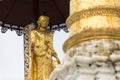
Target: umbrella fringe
{"points": [[20, 30]]}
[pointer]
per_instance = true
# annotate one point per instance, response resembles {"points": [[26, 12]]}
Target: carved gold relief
{"points": [[91, 35], [102, 11]]}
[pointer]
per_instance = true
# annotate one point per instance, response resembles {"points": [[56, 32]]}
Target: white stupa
{"points": [[92, 51]]}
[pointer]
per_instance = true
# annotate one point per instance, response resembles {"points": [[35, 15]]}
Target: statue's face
{"points": [[43, 21]]}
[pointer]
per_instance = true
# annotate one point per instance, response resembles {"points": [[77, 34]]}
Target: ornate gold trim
{"points": [[102, 11], [27, 53], [90, 35]]}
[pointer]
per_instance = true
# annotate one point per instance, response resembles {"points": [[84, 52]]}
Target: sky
{"points": [[12, 54]]}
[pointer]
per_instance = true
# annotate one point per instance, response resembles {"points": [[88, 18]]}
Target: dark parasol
{"points": [[16, 14]]}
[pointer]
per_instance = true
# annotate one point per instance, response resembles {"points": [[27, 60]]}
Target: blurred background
{"points": [[12, 53]]}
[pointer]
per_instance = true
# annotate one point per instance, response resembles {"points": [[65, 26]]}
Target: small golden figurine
{"points": [[41, 62]]}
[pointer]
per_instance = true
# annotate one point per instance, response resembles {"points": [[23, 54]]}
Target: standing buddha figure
{"points": [[42, 50]]}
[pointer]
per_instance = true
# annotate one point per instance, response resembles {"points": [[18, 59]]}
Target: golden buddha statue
{"points": [[42, 52]]}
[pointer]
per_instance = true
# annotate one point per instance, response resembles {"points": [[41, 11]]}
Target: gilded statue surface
{"points": [[42, 52]]}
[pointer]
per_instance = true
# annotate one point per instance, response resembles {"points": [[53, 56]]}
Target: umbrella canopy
{"points": [[16, 14]]}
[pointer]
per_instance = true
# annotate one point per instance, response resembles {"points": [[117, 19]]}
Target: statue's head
{"points": [[43, 21]]}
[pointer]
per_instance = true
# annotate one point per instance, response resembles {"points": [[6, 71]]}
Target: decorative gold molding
{"points": [[102, 11], [91, 35]]}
